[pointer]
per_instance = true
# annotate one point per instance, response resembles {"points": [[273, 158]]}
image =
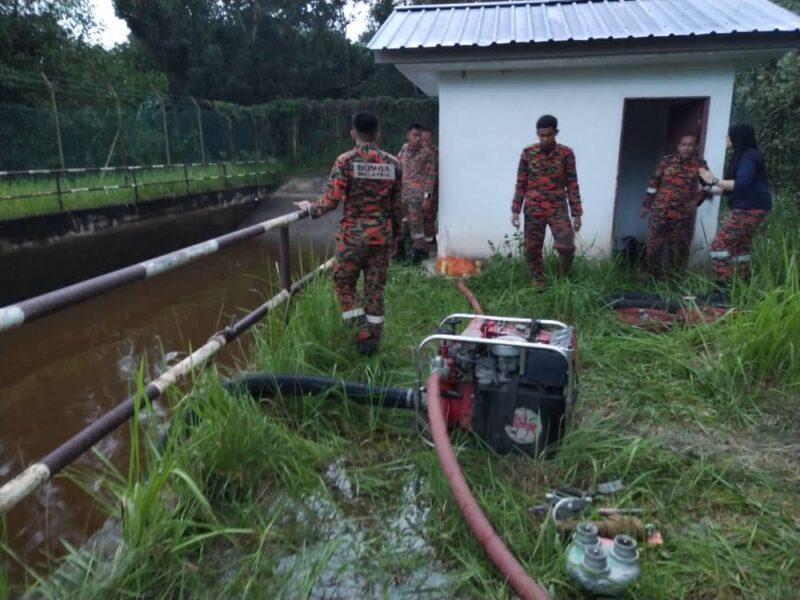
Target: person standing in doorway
{"points": [[547, 192], [749, 199], [430, 209], [368, 181], [671, 203], [419, 168]]}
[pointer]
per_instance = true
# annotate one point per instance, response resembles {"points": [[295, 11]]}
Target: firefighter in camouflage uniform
{"points": [[547, 192], [368, 182], [671, 202], [419, 174]]}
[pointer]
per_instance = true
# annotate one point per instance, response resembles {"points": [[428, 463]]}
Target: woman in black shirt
{"points": [[749, 199]]}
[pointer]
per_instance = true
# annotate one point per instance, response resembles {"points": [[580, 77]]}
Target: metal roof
{"points": [[500, 23]]}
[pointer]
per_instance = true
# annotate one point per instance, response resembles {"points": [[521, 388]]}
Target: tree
{"points": [[248, 51]]}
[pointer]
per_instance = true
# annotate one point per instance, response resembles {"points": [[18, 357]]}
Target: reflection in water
{"points": [[59, 374]]}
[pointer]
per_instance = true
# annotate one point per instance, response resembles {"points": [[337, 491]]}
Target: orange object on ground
{"points": [[701, 314], [651, 319], [455, 266]]}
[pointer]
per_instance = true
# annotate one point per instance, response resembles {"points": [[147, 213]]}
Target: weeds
{"points": [[240, 499]]}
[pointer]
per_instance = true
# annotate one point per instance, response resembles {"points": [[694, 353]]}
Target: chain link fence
{"points": [[48, 124]]}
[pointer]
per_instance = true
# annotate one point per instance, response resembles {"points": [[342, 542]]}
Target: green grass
{"points": [[152, 184], [700, 423]]}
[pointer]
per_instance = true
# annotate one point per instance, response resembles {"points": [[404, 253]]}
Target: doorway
{"points": [[651, 128]]}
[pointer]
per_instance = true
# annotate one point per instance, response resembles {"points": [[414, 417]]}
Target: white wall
{"points": [[487, 117]]}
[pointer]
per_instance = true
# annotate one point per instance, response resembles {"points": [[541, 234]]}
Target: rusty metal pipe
{"points": [[34, 308]]}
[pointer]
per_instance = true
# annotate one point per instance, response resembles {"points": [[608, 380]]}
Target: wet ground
{"points": [[60, 373]]}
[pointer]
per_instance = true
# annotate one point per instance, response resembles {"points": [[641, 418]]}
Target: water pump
{"points": [[511, 380]]}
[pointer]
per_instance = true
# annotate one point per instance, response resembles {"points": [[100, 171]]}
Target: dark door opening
{"points": [[651, 128]]}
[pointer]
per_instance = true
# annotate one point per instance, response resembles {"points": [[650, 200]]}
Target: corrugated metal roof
{"points": [[534, 21]]}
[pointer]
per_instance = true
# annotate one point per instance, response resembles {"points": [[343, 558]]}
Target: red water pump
{"points": [[510, 380]]}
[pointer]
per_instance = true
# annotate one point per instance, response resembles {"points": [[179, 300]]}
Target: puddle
{"points": [[352, 560]]}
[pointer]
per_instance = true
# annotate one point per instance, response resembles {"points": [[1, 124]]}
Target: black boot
{"points": [[366, 341], [564, 264], [400, 254], [366, 347], [420, 254]]}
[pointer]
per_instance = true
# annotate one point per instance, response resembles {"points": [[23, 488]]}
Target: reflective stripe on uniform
{"points": [[651, 190], [741, 258], [417, 236], [429, 239], [352, 314], [720, 254], [375, 319]]}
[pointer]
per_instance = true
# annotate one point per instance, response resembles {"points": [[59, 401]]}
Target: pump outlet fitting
{"points": [[602, 566]]}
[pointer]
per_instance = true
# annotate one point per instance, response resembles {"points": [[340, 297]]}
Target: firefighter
{"points": [[368, 181], [671, 202], [547, 192], [419, 166], [749, 199], [430, 210]]}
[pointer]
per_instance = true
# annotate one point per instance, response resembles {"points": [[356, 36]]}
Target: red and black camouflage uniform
{"points": [[730, 250], [672, 198], [368, 181], [419, 175], [431, 209], [547, 192]]}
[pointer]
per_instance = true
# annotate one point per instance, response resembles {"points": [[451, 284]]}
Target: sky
{"points": [[113, 31]]}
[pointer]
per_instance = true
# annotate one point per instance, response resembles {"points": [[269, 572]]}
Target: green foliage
{"points": [[249, 51], [769, 98]]}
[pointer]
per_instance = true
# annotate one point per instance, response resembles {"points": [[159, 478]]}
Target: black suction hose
{"points": [[260, 385]]}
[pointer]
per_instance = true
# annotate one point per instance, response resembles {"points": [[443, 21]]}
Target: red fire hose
{"points": [[473, 301], [483, 531]]}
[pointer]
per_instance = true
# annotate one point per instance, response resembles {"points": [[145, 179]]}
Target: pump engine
{"points": [[512, 381]]}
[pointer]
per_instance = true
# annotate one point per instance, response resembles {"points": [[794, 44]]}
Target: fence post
{"points": [[284, 259], [255, 136], [231, 145], [338, 134], [56, 123], [119, 127], [135, 187], [200, 131], [225, 174], [186, 176], [58, 191], [296, 139], [164, 124]]}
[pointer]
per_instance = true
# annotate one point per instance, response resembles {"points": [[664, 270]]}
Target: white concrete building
{"points": [[624, 78]]}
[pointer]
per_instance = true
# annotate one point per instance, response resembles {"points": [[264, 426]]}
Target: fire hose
{"points": [[483, 531]]}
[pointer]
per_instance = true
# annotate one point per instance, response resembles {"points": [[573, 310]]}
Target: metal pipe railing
{"points": [[45, 469], [128, 168], [14, 315], [184, 180]]}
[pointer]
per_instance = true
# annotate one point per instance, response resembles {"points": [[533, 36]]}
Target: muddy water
{"points": [[60, 373]]}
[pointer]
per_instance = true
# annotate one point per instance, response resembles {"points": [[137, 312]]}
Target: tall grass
{"points": [[238, 501]]}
